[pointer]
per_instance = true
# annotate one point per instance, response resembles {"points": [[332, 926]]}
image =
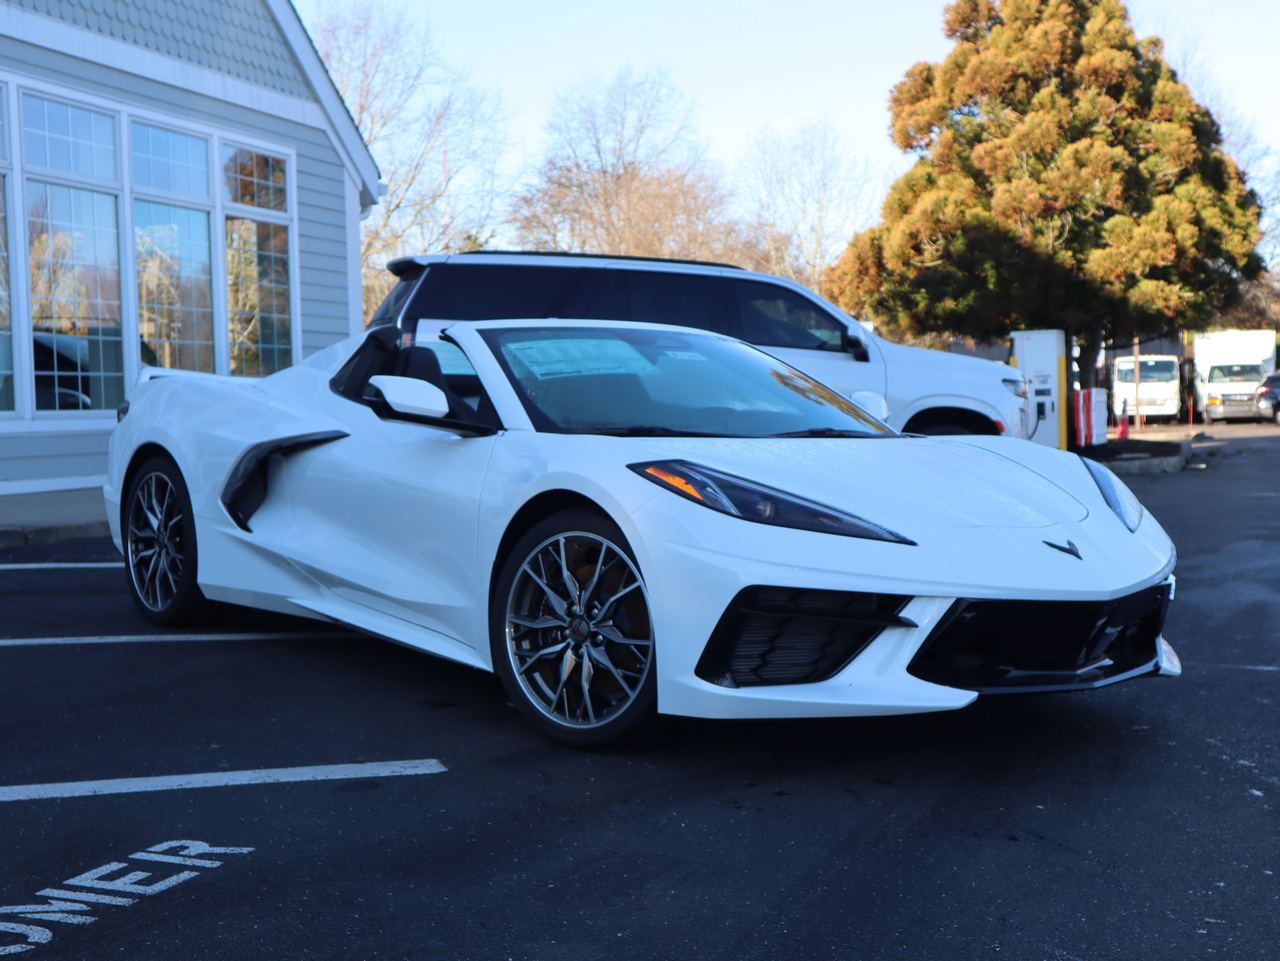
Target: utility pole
{"points": [[1137, 388]]}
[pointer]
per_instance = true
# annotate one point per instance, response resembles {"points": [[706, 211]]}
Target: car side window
{"points": [[443, 364], [661, 297], [769, 315], [497, 291], [394, 302]]}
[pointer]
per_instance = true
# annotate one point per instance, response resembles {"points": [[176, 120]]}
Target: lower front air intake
{"points": [[781, 635], [1010, 646]]}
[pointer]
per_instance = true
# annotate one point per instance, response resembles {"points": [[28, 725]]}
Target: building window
{"points": [[73, 245], [169, 161], [258, 315], [6, 326], [253, 179], [72, 139], [175, 287]]}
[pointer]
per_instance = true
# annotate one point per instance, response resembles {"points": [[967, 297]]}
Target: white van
{"points": [[927, 391], [1230, 366], [1159, 388]]}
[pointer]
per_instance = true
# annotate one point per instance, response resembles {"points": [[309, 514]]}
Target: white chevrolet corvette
{"points": [[622, 519]]}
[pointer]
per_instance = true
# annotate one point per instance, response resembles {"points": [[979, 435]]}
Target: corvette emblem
{"points": [[1069, 549]]}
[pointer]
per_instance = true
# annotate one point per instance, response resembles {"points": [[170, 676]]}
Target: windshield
{"points": [[1151, 371], [634, 381], [1236, 373]]}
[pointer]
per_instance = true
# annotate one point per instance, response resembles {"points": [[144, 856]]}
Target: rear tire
{"points": [[159, 536]]}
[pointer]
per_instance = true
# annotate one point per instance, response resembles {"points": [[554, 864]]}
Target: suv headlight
{"points": [[1118, 497], [754, 502], [1018, 385]]}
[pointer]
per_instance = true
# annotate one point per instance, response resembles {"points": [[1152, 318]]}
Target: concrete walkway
{"points": [[53, 516]]}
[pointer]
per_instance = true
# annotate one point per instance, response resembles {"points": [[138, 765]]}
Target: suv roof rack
{"points": [[401, 265]]}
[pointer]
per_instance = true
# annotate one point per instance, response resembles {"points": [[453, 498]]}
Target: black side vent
{"points": [[783, 635]]}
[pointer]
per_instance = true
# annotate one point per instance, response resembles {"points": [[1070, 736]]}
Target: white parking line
{"points": [[181, 638], [181, 782], [50, 566], [1268, 668]]}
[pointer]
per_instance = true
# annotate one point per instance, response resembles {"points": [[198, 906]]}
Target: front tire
{"points": [[571, 632], [159, 534]]}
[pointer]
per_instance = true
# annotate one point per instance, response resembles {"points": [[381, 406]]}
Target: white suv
{"points": [[928, 392]]}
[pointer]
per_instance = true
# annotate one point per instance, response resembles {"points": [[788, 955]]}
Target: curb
{"points": [[29, 536], [1153, 465]]}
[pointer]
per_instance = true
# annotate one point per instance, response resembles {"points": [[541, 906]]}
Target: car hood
{"points": [[903, 481]]}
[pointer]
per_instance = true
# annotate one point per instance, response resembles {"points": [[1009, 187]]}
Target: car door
{"points": [[801, 333], [387, 517]]}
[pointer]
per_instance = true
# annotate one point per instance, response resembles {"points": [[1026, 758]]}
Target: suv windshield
{"points": [[656, 382]]}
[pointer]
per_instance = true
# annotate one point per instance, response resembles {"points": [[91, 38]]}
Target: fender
{"points": [[932, 401]]}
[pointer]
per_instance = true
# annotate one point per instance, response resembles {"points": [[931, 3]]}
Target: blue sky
{"points": [[749, 63]]}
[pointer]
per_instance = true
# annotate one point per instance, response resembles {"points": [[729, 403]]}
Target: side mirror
{"points": [[872, 403], [855, 346], [408, 395]]}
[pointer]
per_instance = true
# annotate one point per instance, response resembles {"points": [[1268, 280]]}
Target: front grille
{"points": [[1008, 646], [782, 635]]}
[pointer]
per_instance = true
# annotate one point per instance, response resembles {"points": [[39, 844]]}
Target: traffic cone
{"points": [[1122, 427]]}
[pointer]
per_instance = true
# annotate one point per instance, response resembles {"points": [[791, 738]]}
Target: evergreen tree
{"points": [[1065, 179]]}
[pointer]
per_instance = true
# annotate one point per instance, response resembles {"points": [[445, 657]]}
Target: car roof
{"points": [[559, 323], [403, 265]]}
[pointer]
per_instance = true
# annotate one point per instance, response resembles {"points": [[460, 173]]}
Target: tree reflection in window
{"points": [[6, 327], [254, 179], [73, 256], [258, 315], [175, 315]]}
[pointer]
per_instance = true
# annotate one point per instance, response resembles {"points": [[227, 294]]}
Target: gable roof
{"points": [[255, 53], [330, 100]]}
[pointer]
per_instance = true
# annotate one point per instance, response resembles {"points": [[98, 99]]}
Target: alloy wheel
{"points": [[155, 540], [578, 630]]}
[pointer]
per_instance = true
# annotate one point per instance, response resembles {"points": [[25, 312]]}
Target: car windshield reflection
{"points": [[644, 382]]}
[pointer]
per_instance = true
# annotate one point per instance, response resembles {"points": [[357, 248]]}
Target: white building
{"points": [[180, 185]]}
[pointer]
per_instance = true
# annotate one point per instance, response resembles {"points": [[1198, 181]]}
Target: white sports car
{"points": [[622, 519]]}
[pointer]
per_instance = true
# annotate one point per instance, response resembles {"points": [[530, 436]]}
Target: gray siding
{"points": [[239, 38], [322, 238], [25, 457]]}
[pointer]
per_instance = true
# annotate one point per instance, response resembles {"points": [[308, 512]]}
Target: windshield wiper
{"points": [[829, 432], [643, 430]]}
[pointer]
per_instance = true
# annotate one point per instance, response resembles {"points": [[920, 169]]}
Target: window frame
{"points": [[287, 218], [19, 345], [15, 173]]}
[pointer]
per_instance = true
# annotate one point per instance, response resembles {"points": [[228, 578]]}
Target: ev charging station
{"points": [[1041, 355]]}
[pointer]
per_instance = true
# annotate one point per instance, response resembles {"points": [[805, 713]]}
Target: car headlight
{"points": [[1018, 385], [1118, 497], [754, 502]]}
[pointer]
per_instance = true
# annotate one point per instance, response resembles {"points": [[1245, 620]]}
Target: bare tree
{"points": [[436, 140], [803, 194], [624, 175]]}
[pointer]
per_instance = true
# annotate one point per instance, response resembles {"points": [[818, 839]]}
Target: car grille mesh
{"points": [[781, 635], [1008, 646]]}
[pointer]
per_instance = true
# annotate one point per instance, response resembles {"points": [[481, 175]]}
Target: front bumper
{"points": [[1234, 406], [798, 663]]}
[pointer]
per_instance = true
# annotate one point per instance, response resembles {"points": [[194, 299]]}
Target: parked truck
{"points": [[1229, 366], [1158, 387]]}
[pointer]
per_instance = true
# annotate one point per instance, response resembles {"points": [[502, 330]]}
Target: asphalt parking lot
{"points": [[358, 800]]}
